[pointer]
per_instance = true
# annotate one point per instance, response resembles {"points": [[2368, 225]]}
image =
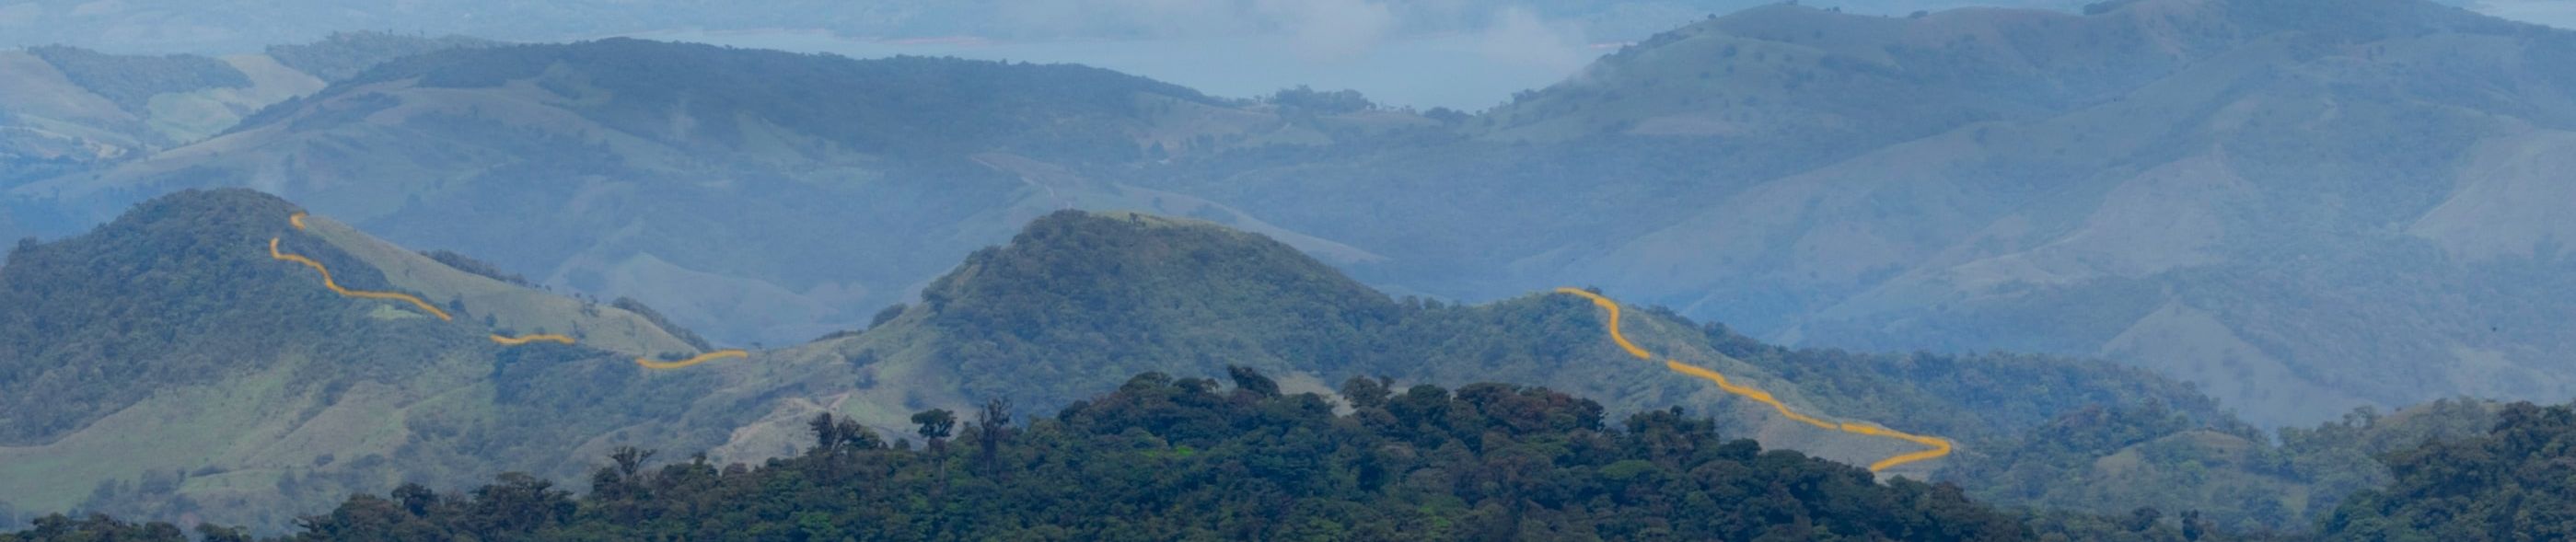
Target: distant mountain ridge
{"points": [[66, 110], [2302, 205], [628, 168]]}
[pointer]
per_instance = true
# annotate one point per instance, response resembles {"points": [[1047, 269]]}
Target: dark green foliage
{"points": [[1311, 101], [95, 528], [650, 315], [1165, 459], [130, 81], [1080, 295], [935, 424], [2511, 484], [2107, 460], [479, 267], [92, 323], [345, 54]]}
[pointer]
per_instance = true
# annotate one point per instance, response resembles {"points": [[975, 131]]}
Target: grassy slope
{"points": [[513, 309]]}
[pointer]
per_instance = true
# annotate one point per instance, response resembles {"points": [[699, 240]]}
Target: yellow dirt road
{"points": [[1939, 446], [650, 363], [335, 286], [525, 339]]}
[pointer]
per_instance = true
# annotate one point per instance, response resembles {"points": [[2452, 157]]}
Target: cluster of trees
{"points": [[479, 267], [130, 81], [2110, 459], [344, 54], [1166, 458], [2516, 483], [1322, 102]]}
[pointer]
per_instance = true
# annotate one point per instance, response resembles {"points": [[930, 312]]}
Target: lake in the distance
{"points": [[1451, 71]]}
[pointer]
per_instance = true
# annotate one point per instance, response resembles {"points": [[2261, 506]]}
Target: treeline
{"points": [[1188, 458], [130, 81], [2516, 483], [1167, 458]]}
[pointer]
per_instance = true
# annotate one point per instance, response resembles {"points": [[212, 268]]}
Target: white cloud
{"points": [[1521, 37]]}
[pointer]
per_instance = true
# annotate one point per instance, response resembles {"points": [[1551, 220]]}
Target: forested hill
{"points": [[169, 365], [2511, 484], [1079, 297]]}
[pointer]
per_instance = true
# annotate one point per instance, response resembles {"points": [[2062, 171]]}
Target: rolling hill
{"points": [[180, 371]]}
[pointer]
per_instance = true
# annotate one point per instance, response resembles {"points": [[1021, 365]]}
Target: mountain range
{"points": [[2304, 206], [2276, 211]]}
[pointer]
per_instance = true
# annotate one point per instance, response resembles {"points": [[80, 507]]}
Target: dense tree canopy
{"points": [[2516, 483], [1165, 459]]}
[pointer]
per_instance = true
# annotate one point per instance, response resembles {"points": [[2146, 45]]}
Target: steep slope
{"points": [[2228, 192], [167, 365], [628, 168]]}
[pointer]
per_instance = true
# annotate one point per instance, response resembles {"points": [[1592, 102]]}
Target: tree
{"points": [[1250, 380], [936, 425], [1364, 392], [992, 426]]}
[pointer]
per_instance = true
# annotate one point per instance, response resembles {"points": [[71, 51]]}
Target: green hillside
{"points": [[1080, 297], [167, 366]]}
